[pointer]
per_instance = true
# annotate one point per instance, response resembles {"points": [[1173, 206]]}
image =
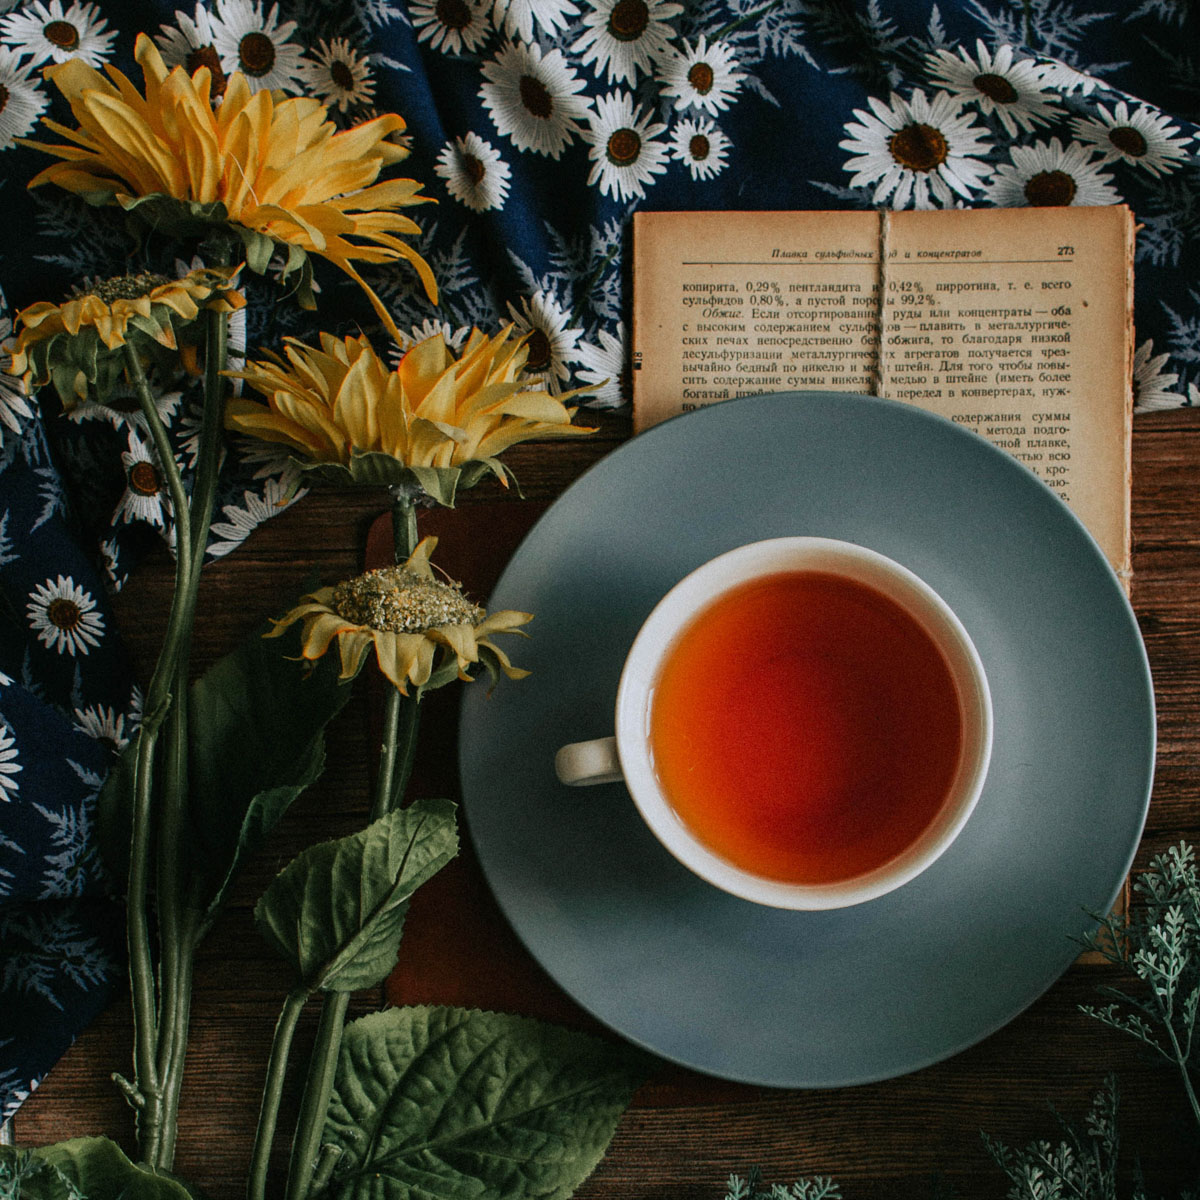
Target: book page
{"points": [[1012, 322]]}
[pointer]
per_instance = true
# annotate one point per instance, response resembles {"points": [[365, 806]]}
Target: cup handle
{"points": [[582, 764]]}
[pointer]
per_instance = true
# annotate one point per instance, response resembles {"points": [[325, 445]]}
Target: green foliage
{"points": [[453, 1104], [374, 469], [87, 1168], [751, 1187], [1082, 1165], [256, 723], [1158, 947], [336, 911]]}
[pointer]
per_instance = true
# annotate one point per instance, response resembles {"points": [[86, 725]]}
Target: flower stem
{"points": [[268, 1117], [157, 706], [395, 767], [306, 1147], [177, 943]]}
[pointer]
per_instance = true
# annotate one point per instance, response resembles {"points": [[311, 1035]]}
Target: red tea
{"points": [[806, 727]]}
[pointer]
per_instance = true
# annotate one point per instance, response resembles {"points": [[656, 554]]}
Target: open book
{"points": [[1013, 322]]}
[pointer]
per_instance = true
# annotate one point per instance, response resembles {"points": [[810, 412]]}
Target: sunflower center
{"points": [[698, 147], [124, 287], [207, 56], [535, 97], [256, 54], [700, 76], [472, 168], [628, 20], [397, 600], [145, 479], [1049, 189], [1128, 140], [62, 34], [995, 87], [341, 75], [918, 147], [624, 145], [63, 613], [454, 14], [540, 351]]}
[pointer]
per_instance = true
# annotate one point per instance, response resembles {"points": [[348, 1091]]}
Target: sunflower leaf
{"points": [[336, 911], [374, 469], [256, 720], [523, 1109], [85, 1168]]}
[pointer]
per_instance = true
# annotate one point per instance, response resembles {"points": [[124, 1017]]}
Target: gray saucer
{"points": [[844, 997]]}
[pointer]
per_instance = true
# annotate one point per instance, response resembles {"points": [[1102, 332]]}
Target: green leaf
{"points": [[256, 720], [86, 1168], [454, 1104], [336, 911]]}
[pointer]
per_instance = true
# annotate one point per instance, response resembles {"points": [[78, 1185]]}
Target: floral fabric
{"points": [[539, 126]]}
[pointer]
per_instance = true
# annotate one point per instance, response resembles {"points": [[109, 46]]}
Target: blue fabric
{"points": [[539, 126]]}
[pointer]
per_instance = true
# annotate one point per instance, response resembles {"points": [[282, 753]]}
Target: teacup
{"points": [[802, 722]]}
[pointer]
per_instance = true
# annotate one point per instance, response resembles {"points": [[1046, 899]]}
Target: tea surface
{"points": [[806, 727]]}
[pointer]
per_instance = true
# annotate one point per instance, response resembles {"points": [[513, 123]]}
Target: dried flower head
{"points": [[411, 619], [269, 169], [79, 344], [437, 420]]}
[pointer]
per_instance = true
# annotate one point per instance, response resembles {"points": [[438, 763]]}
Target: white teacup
{"points": [[832, 565]]}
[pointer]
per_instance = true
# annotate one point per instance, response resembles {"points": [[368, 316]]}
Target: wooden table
{"points": [[894, 1139]]}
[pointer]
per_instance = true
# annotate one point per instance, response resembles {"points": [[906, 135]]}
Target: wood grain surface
{"points": [[905, 1137]]}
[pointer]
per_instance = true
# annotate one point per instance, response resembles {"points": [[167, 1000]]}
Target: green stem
{"points": [[306, 1148], [395, 767], [268, 1117], [177, 950], [157, 705]]}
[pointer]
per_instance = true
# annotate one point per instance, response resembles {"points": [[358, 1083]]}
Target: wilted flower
{"points": [[81, 341], [268, 168], [437, 420], [411, 618]]}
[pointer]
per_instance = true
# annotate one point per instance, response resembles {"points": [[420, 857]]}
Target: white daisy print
{"points": [[518, 17], [998, 84], [256, 45], [64, 616], [1048, 174], [189, 44], [110, 561], [241, 520], [338, 75], [1151, 383], [21, 98], [50, 33], [145, 497], [702, 76], [916, 150], [622, 35], [451, 26], [9, 766], [551, 340], [430, 327], [623, 147], [701, 145], [1145, 137], [605, 368], [104, 724], [474, 172], [533, 98]]}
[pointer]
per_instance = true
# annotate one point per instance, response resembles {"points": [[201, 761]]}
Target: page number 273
{"points": [[1066, 251]]}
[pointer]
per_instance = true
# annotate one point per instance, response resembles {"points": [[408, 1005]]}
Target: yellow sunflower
{"points": [[80, 342], [269, 168], [435, 419], [411, 618]]}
